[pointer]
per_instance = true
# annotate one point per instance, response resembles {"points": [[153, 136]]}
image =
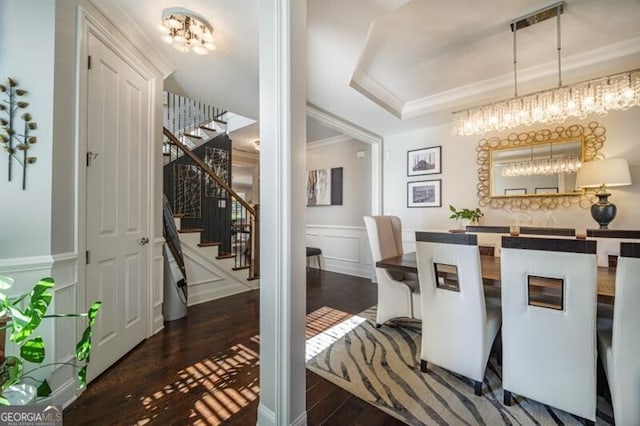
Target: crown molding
{"points": [[481, 90], [134, 34], [452, 98], [377, 92], [341, 125], [328, 141]]}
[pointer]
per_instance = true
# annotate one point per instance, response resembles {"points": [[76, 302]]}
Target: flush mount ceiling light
{"points": [[600, 95], [186, 32]]}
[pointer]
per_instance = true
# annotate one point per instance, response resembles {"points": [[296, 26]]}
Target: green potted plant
{"points": [[20, 317], [465, 216]]}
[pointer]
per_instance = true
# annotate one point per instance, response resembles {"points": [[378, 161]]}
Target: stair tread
{"points": [[239, 268], [191, 230], [193, 136], [209, 244], [217, 120], [226, 256], [208, 128]]}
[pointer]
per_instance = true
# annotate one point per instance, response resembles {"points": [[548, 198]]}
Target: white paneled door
{"points": [[117, 203]]}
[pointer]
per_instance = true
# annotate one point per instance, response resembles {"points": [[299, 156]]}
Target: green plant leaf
{"points": [[93, 313], [3, 400], [82, 377], [33, 350], [10, 371], [83, 348], [36, 309], [44, 389], [5, 282], [453, 209]]}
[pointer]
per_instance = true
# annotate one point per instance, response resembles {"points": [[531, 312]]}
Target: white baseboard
{"points": [[266, 417], [215, 290]]}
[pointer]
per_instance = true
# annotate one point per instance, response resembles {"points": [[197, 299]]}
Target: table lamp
{"points": [[602, 174]]}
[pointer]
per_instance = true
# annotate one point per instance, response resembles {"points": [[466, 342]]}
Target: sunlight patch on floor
{"points": [[214, 382], [325, 326]]}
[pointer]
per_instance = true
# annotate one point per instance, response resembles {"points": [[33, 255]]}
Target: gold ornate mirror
{"points": [[542, 168], [536, 169]]}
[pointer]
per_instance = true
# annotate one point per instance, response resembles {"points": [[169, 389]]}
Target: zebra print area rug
{"points": [[381, 366]]}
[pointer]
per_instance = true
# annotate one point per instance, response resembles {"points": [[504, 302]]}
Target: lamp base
{"points": [[603, 211]]}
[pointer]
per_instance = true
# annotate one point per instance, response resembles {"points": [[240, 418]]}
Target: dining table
{"points": [[490, 266]]}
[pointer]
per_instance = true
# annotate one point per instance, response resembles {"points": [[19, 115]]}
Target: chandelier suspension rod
{"points": [[558, 31], [515, 60]]}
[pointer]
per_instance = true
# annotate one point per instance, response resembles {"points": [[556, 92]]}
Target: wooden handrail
{"points": [[207, 169]]}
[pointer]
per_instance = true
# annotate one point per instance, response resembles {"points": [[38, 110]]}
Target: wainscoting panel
{"points": [[345, 249], [157, 281], [61, 334]]}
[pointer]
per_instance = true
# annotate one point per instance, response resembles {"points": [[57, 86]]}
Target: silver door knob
{"points": [[144, 241]]}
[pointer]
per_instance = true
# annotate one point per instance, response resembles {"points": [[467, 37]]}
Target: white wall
{"points": [[356, 181], [26, 55], [459, 177]]}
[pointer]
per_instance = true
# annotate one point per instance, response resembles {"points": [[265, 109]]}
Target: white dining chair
{"points": [[619, 339], [398, 292], [458, 328], [549, 344]]}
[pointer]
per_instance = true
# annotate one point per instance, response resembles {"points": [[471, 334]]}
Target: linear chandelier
{"points": [[546, 166], [185, 32], [597, 96]]}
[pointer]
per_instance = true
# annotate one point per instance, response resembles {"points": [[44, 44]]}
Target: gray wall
{"points": [[356, 178]]}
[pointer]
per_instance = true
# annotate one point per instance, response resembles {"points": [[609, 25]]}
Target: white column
{"points": [[282, 177]]}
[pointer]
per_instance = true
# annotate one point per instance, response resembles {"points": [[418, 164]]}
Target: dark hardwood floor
{"points": [[204, 369]]}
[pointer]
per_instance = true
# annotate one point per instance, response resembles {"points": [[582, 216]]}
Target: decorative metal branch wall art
{"points": [[14, 137]]}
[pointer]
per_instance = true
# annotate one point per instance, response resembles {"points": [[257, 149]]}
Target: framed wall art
{"points": [[425, 193], [515, 191], [324, 187], [547, 190], [424, 161]]}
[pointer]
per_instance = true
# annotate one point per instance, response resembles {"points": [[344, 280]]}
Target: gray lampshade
{"points": [[612, 172]]}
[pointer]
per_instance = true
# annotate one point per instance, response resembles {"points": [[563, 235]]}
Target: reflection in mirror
{"points": [[537, 169]]}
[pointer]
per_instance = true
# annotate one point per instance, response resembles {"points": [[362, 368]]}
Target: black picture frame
{"points": [[424, 161], [547, 190], [515, 191], [424, 193]]}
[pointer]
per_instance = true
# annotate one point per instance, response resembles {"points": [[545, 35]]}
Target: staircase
{"points": [[218, 230]]}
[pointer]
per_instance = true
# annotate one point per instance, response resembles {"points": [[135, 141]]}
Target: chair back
{"points": [[549, 347], [550, 231], [385, 236], [625, 338], [489, 237], [454, 319], [609, 241]]}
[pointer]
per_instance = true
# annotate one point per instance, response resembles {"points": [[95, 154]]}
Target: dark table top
{"points": [[491, 272]]}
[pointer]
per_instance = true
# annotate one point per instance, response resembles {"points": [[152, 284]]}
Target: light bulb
{"points": [[199, 49], [173, 23]]}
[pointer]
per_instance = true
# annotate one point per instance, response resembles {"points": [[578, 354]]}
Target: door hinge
{"points": [[89, 62], [91, 156], [87, 257]]}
